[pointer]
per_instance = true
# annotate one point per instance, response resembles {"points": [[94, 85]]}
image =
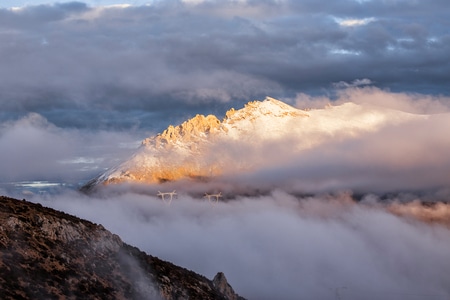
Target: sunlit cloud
{"points": [[354, 22], [354, 83], [194, 2], [345, 52], [16, 8]]}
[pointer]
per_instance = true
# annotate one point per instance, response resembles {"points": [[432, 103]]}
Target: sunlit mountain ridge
{"points": [[262, 133]]}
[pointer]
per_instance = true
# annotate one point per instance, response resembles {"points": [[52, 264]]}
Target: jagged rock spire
{"points": [[221, 284]]}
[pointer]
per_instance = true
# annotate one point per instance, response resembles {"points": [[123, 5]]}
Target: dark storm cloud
{"points": [[39, 15], [181, 56]]}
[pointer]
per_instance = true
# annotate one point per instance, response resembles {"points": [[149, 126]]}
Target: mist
{"points": [[286, 247], [409, 156], [32, 148]]}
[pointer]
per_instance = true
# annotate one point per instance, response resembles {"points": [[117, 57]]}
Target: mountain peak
{"points": [[268, 107], [190, 149], [191, 130], [204, 147], [201, 127]]}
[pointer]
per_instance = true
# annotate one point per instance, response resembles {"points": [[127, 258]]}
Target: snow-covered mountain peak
{"points": [[200, 127], [268, 107], [204, 147]]}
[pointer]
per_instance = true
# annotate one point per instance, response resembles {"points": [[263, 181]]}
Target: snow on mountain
{"points": [[262, 132]]}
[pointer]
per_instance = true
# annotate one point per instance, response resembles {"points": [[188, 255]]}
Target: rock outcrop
{"points": [[190, 131], [221, 283], [47, 254]]}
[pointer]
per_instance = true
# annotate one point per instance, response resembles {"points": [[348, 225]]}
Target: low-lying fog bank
{"points": [[285, 247]]}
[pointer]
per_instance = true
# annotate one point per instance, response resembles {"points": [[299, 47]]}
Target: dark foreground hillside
{"points": [[47, 254]]}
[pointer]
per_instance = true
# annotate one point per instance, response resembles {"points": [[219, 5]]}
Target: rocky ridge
{"points": [[189, 150], [190, 131], [47, 254]]}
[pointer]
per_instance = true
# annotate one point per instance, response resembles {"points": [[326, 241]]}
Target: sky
{"points": [[83, 83], [142, 65]]}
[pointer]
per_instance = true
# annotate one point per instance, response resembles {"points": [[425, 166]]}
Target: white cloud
{"points": [[408, 102], [345, 52], [354, 83], [193, 1], [280, 247], [354, 22], [31, 148], [375, 141]]}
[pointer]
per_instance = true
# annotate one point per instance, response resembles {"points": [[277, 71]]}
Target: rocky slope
{"points": [[204, 146], [47, 254]]}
